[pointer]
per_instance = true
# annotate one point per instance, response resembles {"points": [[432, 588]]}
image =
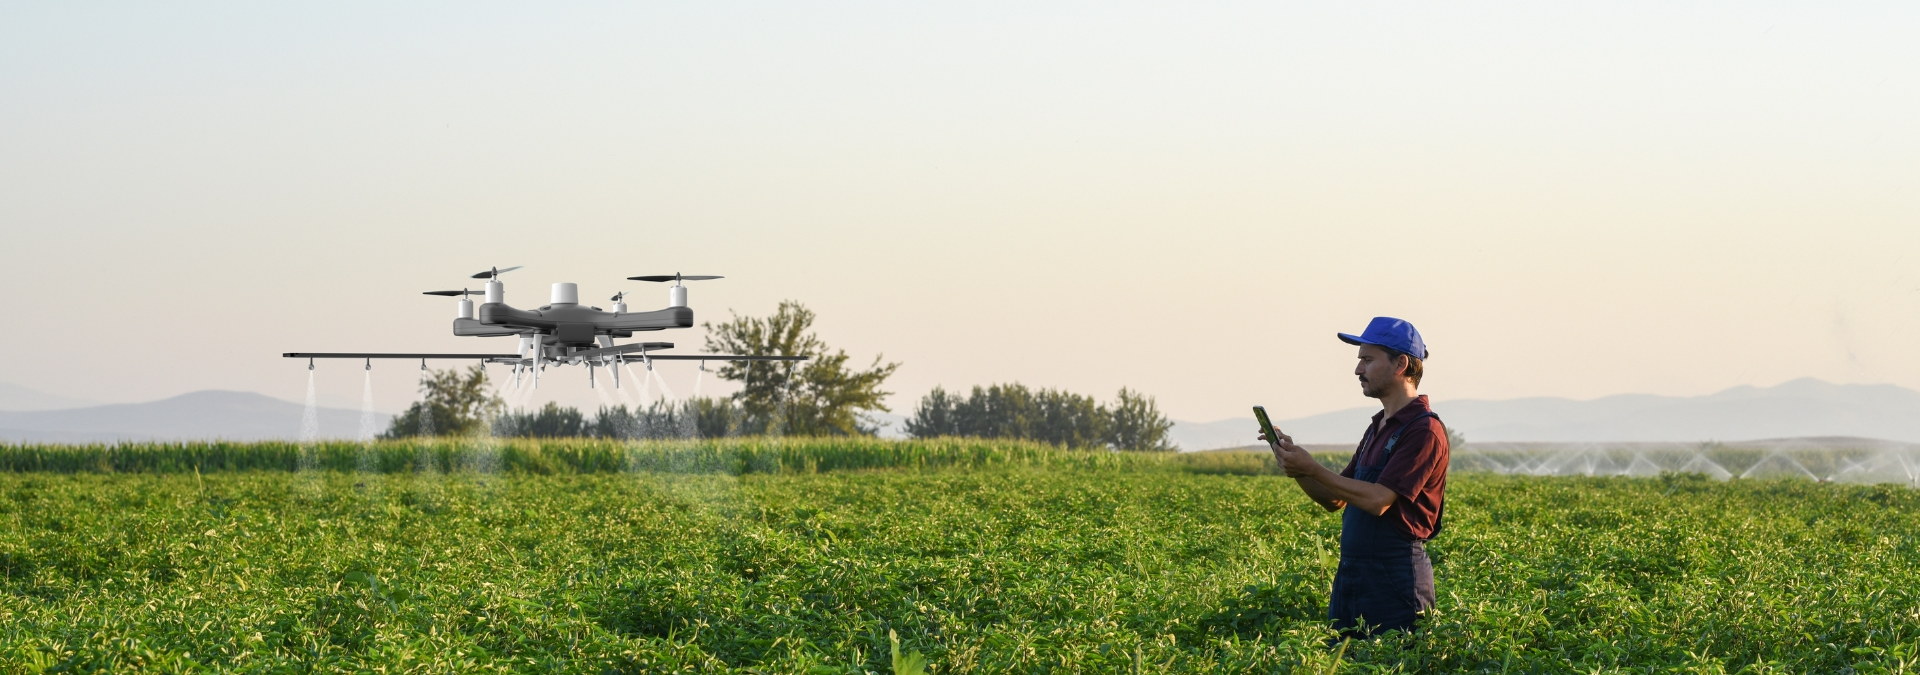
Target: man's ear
{"points": [[1401, 363]]}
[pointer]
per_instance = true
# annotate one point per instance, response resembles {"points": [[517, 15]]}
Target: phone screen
{"points": [[1266, 425]]}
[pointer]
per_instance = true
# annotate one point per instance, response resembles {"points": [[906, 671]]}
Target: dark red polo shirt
{"points": [[1417, 470]]}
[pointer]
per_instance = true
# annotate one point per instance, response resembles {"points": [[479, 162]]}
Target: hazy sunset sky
{"points": [[1188, 199]]}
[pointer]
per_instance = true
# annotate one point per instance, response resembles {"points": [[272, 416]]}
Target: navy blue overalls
{"points": [[1384, 573]]}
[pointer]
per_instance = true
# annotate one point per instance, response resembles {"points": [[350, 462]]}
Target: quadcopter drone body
{"points": [[563, 331]]}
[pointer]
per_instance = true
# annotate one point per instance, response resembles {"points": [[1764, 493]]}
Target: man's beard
{"points": [[1369, 390]]}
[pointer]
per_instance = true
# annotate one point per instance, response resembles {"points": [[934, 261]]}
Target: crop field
{"points": [[820, 556]]}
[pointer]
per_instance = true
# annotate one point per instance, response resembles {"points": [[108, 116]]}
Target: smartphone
{"points": [[1266, 425]]}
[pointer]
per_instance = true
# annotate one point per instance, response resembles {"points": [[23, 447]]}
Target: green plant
{"points": [[453, 403], [1062, 418], [816, 555], [1135, 423], [910, 663], [819, 396], [550, 421]]}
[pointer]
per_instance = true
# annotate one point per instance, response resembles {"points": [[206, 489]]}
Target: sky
{"points": [[1188, 200]]}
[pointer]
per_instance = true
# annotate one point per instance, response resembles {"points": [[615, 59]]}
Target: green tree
{"points": [[660, 419], [1136, 424], [1133, 422], [936, 415], [1015, 411], [718, 417], [452, 403], [817, 397], [550, 421]]}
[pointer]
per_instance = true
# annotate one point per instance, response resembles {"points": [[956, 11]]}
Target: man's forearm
{"points": [[1319, 493], [1370, 497]]}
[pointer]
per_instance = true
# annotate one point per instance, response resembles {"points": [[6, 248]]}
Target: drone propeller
{"points": [[495, 272], [676, 277], [618, 296], [454, 293]]}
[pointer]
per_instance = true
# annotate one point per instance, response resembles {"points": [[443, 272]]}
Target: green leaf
{"points": [[911, 663]]}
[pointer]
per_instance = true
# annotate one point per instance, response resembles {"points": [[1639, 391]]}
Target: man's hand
{"points": [[1329, 489], [1293, 459]]}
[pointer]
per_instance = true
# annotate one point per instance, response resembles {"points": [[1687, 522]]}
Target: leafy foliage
{"points": [[817, 397], [1027, 570], [659, 420], [702, 417], [910, 663], [1047, 415], [744, 454], [1135, 423], [453, 403], [550, 421]]}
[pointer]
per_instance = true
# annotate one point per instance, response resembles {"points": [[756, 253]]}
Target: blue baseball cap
{"points": [[1394, 334]]}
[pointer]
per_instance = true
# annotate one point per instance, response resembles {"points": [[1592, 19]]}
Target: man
{"points": [[1393, 489]]}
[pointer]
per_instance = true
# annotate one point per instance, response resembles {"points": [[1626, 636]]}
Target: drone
{"points": [[563, 331]]}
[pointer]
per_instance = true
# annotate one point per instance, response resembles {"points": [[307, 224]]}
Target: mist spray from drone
{"points": [[485, 457], [665, 392], [646, 387], [688, 413], [367, 429], [423, 461], [310, 425], [310, 418], [626, 398], [365, 464]]}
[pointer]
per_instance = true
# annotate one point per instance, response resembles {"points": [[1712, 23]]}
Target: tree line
{"points": [[821, 396], [1132, 422], [702, 417]]}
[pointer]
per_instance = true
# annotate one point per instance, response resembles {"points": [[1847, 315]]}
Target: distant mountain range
{"points": [[16, 397], [1800, 408], [231, 415]]}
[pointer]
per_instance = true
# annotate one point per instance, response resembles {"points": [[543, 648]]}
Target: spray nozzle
{"points": [[309, 364], [369, 364]]}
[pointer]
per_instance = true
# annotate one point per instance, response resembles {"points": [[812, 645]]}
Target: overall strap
{"points": [[1395, 438], [1365, 440], [1438, 520]]}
